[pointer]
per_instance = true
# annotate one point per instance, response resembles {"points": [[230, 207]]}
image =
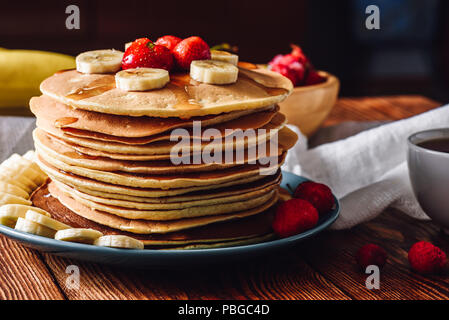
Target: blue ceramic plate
{"points": [[170, 258]]}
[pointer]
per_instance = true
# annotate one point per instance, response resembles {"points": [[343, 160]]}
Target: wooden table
{"points": [[321, 268]]}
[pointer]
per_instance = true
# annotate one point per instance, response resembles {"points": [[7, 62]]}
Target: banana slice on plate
{"points": [[119, 241], [99, 61], [224, 56], [9, 175], [6, 198], [34, 228], [30, 155], [213, 72], [24, 162], [10, 180], [14, 190], [24, 167], [141, 79], [80, 235], [45, 220], [9, 213]]}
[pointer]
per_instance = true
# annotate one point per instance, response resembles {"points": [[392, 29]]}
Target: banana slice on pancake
{"points": [[213, 72], [141, 79], [119, 241], [34, 228], [13, 190], [9, 213], [6, 198], [80, 235], [99, 61], [45, 220], [224, 56]]}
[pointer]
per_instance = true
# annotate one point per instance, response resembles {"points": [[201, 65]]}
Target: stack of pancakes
{"points": [[108, 155]]}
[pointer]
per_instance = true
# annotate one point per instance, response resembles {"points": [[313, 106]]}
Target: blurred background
{"points": [[409, 54]]}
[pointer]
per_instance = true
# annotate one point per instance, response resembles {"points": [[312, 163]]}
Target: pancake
{"points": [[173, 214], [146, 226], [239, 229], [253, 120], [181, 180], [56, 114], [83, 184], [233, 243], [165, 147], [53, 147], [246, 187], [181, 97], [250, 194]]}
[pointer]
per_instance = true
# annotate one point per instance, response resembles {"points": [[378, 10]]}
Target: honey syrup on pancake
{"points": [[179, 85], [94, 88]]}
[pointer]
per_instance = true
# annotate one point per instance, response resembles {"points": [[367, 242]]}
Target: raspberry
{"points": [[426, 258], [318, 194], [371, 254], [294, 216]]}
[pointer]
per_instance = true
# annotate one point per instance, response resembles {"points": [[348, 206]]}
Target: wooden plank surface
{"points": [[321, 268]]}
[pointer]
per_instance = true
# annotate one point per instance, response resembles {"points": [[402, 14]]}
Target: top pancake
{"points": [[182, 97]]}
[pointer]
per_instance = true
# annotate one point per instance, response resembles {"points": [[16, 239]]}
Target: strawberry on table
{"points": [[189, 49], [168, 41], [143, 53]]}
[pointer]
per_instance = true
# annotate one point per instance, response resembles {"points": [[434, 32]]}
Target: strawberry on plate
{"points": [[143, 53], [168, 41], [189, 49]]}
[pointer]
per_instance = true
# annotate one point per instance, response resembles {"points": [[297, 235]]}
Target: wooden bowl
{"points": [[307, 107]]}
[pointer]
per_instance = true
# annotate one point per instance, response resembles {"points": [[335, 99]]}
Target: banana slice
{"points": [[224, 56], [30, 155], [10, 174], [15, 181], [119, 241], [44, 220], [99, 61], [34, 228], [9, 213], [78, 235], [6, 198], [14, 190], [214, 72], [25, 167], [141, 79], [128, 44]]}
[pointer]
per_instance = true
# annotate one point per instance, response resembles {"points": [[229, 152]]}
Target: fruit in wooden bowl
{"points": [[315, 92]]}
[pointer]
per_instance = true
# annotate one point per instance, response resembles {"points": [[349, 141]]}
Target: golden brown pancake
{"points": [[54, 147], [244, 228], [53, 113], [253, 120], [85, 184], [180, 180], [146, 226], [182, 97], [199, 196]]}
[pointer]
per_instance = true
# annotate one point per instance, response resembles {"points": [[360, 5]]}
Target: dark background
{"points": [[409, 54]]}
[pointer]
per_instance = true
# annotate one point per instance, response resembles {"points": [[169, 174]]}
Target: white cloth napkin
{"points": [[368, 171]]}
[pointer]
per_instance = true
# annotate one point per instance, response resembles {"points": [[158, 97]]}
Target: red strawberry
{"points": [[426, 258], [371, 254], [189, 49], [314, 78], [294, 216], [143, 53], [318, 194], [168, 41]]}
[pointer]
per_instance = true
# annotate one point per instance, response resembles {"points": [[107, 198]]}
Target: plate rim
{"points": [[61, 246]]}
